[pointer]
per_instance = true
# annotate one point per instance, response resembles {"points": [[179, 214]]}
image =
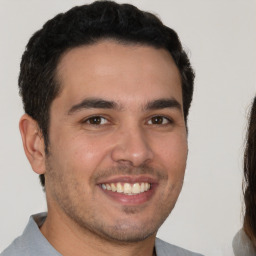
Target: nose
{"points": [[132, 147]]}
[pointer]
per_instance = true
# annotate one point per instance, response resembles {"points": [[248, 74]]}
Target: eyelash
{"points": [[164, 121], [94, 118]]}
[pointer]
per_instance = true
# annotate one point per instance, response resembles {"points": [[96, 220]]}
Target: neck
{"points": [[62, 232]]}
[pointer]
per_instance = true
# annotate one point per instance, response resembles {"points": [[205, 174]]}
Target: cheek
{"points": [[172, 154], [82, 153]]}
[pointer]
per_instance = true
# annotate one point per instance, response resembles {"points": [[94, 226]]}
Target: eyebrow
{"points": [[163, 103], [93, 103], [105, 104]]}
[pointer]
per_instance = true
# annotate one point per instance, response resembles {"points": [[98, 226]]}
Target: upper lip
{"points": [[129, 179]]}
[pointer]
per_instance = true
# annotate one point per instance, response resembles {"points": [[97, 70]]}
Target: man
{"points": [[106, 89]]}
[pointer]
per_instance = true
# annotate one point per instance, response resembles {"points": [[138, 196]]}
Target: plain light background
{"points": [[220, 37]]}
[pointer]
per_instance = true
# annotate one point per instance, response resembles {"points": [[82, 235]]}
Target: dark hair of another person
{"points": [[87, 25], [250, 177]]}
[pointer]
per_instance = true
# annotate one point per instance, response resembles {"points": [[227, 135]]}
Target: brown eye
{"points": [[96, 120], [158, 120]]}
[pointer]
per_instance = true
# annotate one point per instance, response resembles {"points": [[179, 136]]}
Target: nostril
{"points": [[132, 154], [125, 163]]}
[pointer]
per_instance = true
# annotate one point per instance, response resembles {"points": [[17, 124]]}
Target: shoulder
{"points": [[15, 248], [31, 242], [242, 245], [165, 249]]}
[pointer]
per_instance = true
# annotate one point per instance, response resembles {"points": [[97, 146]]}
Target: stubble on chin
{"points": [[68, 194]]}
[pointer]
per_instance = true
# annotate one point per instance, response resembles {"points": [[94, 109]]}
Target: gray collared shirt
{"points": [[32, 242]]}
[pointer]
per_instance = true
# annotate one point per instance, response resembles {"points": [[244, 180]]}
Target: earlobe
{"points": [[33, 143]]}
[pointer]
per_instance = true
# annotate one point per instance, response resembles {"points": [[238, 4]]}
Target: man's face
{"points": [[118, 144]]}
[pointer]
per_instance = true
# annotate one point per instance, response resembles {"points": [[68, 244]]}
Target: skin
{"points": [[133, 139]]}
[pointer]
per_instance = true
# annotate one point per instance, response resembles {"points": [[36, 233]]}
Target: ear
{"points": [[33, 143]]}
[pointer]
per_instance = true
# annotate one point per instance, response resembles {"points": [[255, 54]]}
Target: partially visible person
{"points": [[244, 242]]}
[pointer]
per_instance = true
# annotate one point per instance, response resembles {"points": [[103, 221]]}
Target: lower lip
{"points": [[131, 199]]}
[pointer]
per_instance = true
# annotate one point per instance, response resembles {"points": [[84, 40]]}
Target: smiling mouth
{"points": [[127, 188]]}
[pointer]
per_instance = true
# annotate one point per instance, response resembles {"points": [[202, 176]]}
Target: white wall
{"points": [[221, 39]]}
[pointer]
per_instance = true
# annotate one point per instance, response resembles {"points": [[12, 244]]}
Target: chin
{"points": [[128, 235], [129, 230]]}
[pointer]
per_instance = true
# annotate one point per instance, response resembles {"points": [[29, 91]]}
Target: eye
{"points": [[159, 120], [96, 120]]}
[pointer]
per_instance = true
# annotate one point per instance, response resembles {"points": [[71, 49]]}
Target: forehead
{"points": [[113, 70]]}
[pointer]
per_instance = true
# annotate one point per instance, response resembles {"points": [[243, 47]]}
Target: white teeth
{"points": [[127, 188], [119, 188], [113, 187], [136, 188], [142, 187]]}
